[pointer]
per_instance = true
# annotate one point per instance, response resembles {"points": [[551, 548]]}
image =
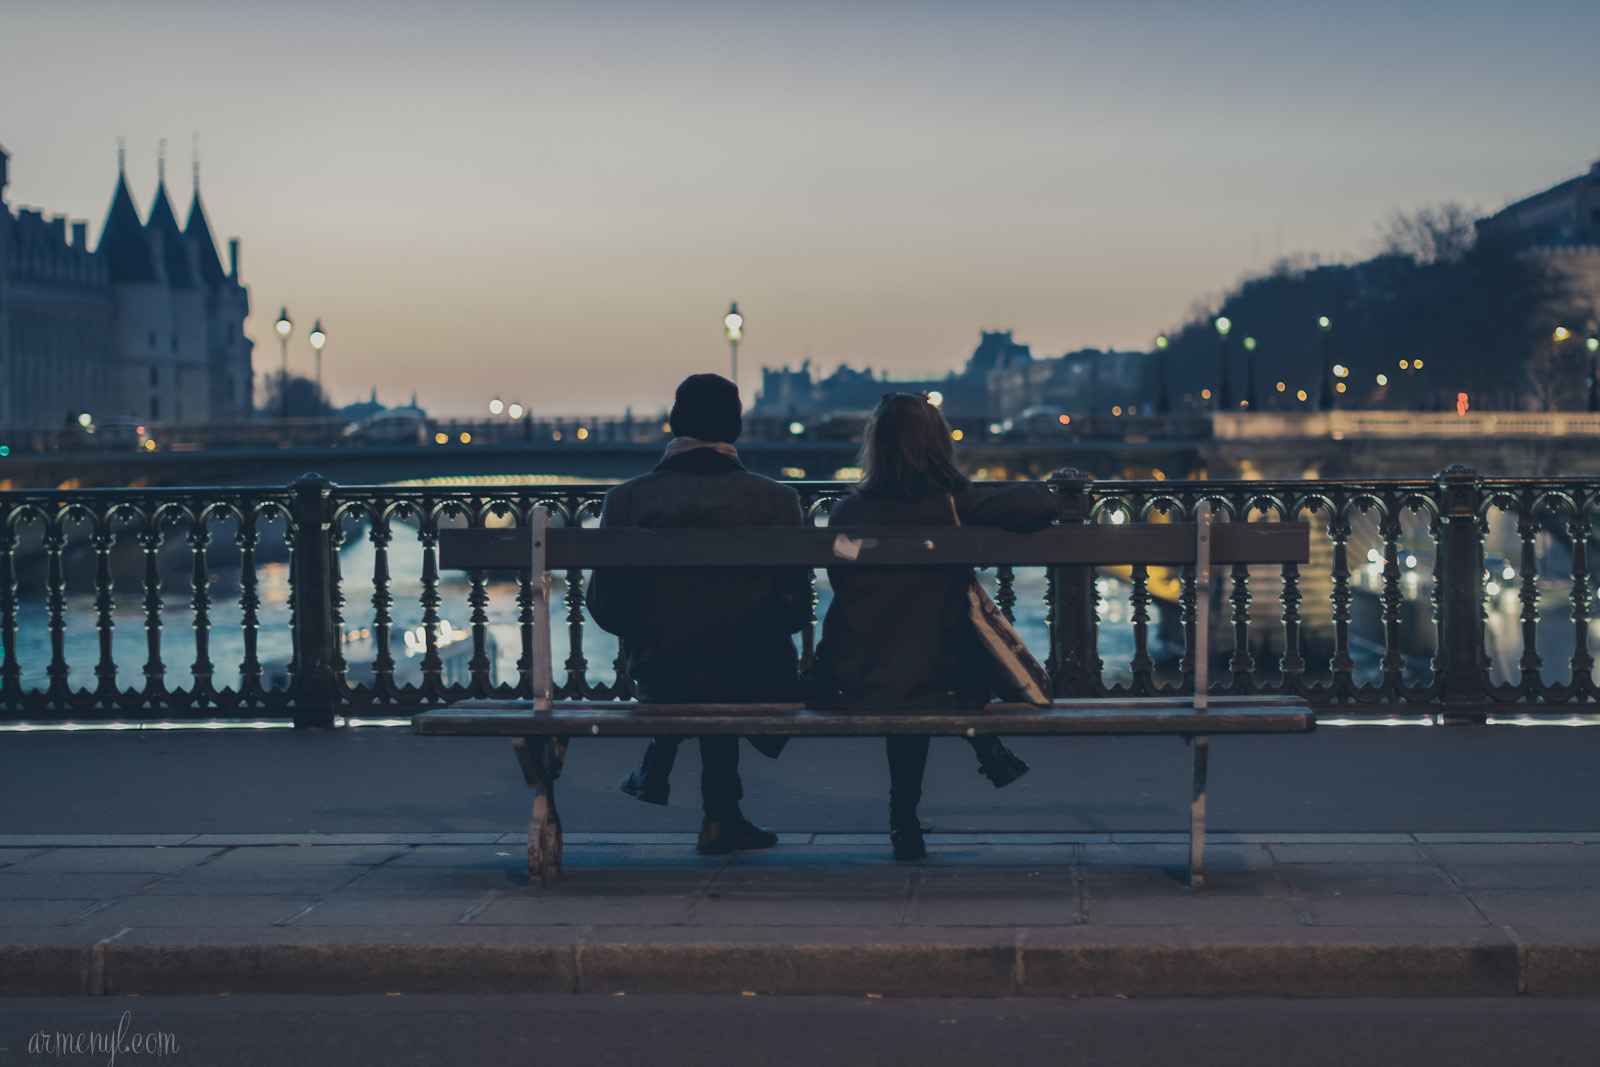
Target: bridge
{"points": [[576, 460], [1245, 446]]}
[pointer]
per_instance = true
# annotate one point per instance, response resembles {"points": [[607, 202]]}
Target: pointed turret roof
{"points": [[164, 224], [122, 239], [198, 233]]}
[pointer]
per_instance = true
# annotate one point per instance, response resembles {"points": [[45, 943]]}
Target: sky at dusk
{"points": [[556, 202]]}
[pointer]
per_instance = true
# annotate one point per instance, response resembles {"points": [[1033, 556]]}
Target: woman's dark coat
{"points": [[898, 637]]}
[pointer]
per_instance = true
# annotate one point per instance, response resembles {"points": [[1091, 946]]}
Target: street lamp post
{"points": [[1250, 373], [1163, 401], [318, 339], [1593, 345], [733, 322], [1559, 338], [1325, 396], [284, 327], [1224, 393]]}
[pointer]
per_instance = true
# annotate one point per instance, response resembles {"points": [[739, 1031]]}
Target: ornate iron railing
{"points": [[1457, 593]]}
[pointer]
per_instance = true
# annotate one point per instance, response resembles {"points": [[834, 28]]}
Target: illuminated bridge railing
{"points": [[1455, 595]]}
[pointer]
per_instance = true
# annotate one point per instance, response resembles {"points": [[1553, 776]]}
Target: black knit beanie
{"points": [[706, 406]]}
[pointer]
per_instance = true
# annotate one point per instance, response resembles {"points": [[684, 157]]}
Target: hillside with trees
{"points": [[1436, 313]]}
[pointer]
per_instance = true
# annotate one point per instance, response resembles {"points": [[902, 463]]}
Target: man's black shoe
{"points": [[1000, 765], [719, 837]]}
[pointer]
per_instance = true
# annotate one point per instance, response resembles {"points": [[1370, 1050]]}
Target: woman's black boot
{"points": [[905, 835], [996, 762], [908, 754]]}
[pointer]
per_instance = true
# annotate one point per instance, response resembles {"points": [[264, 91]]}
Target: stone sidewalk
{"points": [[985, 915]]}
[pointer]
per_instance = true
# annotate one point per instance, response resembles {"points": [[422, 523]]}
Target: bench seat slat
{"points": [[1142, 542], [1094, 717]]}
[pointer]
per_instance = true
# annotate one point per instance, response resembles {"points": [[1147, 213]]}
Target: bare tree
{"points": [[1445, 233]]}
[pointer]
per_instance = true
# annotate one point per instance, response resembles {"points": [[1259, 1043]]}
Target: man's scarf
{"points": [[679, 445]]}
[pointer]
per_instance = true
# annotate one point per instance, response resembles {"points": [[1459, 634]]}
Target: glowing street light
{"points": [[733, 322], [1224, 393], [1250, 373], [1163, 401], [496, 406], [1325, 396], [1561, 334], [515, 411], [318, 339], [284, 326], [1593, 345]]}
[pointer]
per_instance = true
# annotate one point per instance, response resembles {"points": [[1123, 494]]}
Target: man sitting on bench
{"points": [[705, 636]]}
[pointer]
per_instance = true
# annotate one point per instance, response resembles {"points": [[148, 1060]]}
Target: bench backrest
{"points": [[542, 548], [1154, 544]]}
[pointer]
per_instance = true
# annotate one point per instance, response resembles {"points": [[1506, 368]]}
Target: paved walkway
{"points": [[985, 915]]}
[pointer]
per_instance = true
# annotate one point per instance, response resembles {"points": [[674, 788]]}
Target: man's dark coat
{"points": [[692, 635]]}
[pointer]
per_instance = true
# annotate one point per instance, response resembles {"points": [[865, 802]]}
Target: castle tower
{"points": [[145, 343], [175, 260], [229, 377]]}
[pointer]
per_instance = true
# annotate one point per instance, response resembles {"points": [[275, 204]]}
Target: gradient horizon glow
{"points": [[556, 203]]}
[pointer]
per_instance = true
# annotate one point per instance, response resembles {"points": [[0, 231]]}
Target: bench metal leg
{"points": [[541, 759], [1197, 816]]}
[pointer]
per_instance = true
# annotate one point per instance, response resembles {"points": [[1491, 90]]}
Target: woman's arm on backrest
{"points": [[1016, 506]]}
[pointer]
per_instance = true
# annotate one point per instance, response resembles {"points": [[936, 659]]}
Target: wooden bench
{"points": [[541, 728]]}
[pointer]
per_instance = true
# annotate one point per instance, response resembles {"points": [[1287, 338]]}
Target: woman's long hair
{"points": [[906, 451]]}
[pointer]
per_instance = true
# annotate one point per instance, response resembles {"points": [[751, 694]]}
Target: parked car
{"points": [[397, 426]]}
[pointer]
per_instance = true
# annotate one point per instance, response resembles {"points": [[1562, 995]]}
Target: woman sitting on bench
{"points": [[900, 639]]}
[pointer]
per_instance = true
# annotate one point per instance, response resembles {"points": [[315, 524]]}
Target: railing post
{"points": [[311, 680], [1460, 570], [1075, 656]]}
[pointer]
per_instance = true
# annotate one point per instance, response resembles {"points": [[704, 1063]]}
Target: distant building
{"points": [[146, 325], [965, 392], [1562, 227], [365, 409], [1085, 381]]}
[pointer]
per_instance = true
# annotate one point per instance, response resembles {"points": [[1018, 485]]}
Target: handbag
{"points": [[1009, 668]]}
